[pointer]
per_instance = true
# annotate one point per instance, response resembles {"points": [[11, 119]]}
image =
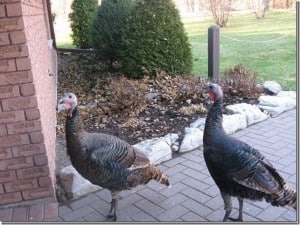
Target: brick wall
{"points": [[27, 103]]}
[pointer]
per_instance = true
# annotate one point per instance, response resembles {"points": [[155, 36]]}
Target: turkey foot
{"points": [[235, 219], [111, 218]]}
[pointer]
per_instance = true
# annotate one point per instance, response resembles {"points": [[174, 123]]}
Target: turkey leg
{"points": [[240, 218], [227, 205], [228, 208], [112, 215]]}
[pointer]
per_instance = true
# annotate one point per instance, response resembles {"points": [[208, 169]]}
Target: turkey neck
{"points": [[214, 120], [74, 130]]}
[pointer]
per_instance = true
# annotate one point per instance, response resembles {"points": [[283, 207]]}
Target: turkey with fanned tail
{"points": [[103, 159], [238, 169]]}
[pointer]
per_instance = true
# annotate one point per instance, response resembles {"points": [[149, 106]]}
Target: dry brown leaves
{"points": [[117, 105]]}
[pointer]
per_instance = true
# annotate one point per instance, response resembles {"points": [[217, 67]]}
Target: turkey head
{"points": [[214, 91], [67, 102]]}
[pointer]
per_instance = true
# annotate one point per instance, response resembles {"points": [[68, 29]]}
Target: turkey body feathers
{"points": [[238, 169], [104, 159]]}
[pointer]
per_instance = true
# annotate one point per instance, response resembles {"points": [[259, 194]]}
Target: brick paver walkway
{"points": [[193, 195]]}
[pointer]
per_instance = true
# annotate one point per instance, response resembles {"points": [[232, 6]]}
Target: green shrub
{"points": [[81, 18], [155, 39], [108, 28], [241, 81]]}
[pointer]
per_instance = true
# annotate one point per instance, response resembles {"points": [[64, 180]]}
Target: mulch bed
{"points": [[117, 105]]}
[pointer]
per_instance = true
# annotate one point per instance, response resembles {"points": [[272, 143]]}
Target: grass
{"points": [[266, 46], [65, 44]]}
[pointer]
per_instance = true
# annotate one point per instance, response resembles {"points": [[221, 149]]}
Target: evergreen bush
{"points": [[108, 28], [155, 39], [81, 18]]}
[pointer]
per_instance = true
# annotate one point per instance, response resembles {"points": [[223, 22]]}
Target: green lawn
{"points": [[267, 46]]}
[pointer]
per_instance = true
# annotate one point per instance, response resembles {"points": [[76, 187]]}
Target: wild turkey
{"points": [[238, 169], [104, 159]]}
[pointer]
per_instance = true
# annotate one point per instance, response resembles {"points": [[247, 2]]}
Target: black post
{"points": [[213, 52], [298, 39]]}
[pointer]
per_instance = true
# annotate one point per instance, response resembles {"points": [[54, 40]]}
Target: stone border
{"points": [[237, 117]]}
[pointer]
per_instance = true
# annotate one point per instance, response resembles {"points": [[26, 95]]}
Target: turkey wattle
{"points": [[103, 159], [238, 169]]}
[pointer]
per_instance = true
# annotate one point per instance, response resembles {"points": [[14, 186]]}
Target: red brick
{"points": [[19, 103], [13, 51], [5, 153], [11, 24], [36, 137], [38, 193], [27, 150], [9, 91], [32, 114], [7, 176], [19, 214], [45, 181], [9, 1], [16, 77], [1, 191], [21, 185], [27, 89], [11, 117], [18, 37], [36, 213], [24, 127], [4, 40], [2, 12], [14, 9], [3, 130], [51, 210], [7, 65], [23, 64], [38, 171], [16, 163], [8, 198], [13, 140], [40, 160]]}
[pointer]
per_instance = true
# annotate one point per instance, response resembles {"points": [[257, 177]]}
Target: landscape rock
{"points": [[73, 184], [149, 97], [288, 94], [199, 123], [193, 139], [158, 149], [274, 105], [272, 87], [233, 123], [252, 112]]}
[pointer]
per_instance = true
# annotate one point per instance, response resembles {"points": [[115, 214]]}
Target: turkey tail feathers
{"points": [[143, 174], [159, 176], [287, 197]]}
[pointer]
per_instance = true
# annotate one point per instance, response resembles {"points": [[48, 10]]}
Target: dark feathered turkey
{"points": [[238, 169], [103, 159]]}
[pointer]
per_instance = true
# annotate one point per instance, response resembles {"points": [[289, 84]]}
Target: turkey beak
{"points": [[61, 105], [208, 88]]}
